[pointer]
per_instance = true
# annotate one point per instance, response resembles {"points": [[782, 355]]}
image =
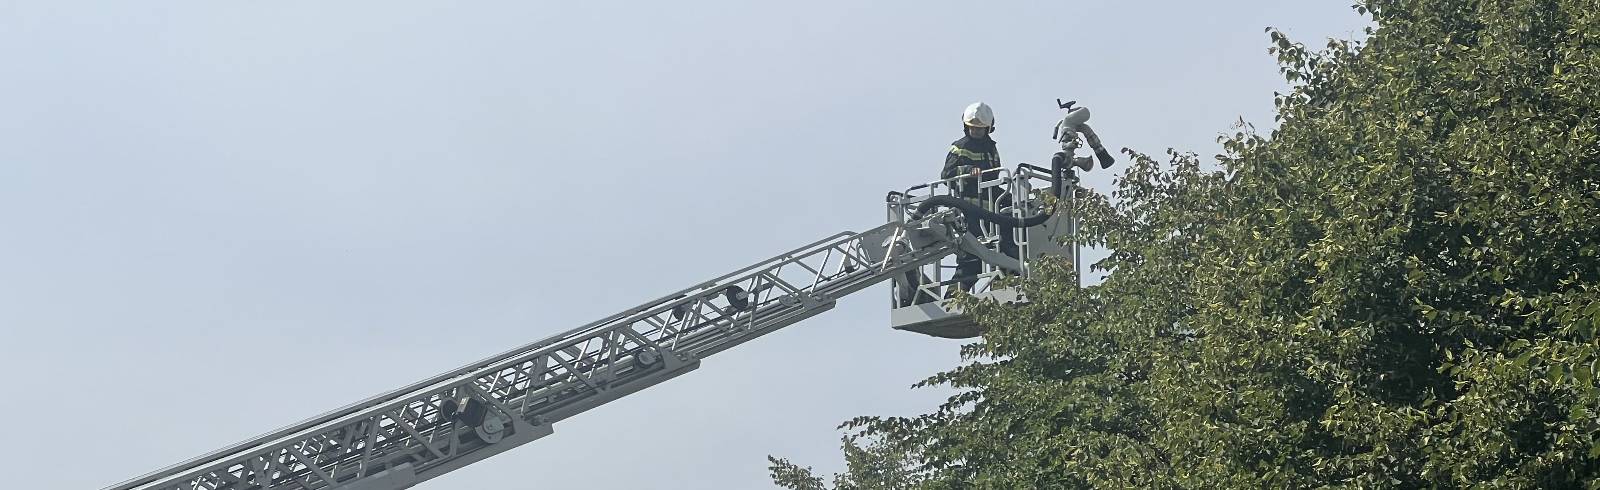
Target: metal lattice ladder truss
{"points": [[400, 438]]}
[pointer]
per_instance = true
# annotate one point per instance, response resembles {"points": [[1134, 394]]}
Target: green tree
{"points": [[1396, 287]]}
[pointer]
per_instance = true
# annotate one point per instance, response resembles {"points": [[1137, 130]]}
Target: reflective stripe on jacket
{"points": [[965, 154]]}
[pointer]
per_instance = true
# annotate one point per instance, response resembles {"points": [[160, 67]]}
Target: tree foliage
{"points": [[1397, 287]]}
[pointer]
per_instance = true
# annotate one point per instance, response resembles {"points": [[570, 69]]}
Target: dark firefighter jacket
{"points": [[965, 154]]}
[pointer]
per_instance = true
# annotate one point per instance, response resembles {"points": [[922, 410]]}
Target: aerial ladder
{"points": [[403, 437]]}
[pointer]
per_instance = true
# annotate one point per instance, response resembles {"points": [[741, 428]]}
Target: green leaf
{"points": [[1395, 261]]}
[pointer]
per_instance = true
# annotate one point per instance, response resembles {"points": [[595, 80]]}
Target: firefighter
{"points": [[969, 156]]}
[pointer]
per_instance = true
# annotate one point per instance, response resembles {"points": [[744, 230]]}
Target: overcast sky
{"points": [[217, 218]]}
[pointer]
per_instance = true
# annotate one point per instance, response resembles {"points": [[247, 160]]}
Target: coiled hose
{"points": [[976, 210]]}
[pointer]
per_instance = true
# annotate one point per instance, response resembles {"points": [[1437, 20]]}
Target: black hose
{"points": [[976, 210]]}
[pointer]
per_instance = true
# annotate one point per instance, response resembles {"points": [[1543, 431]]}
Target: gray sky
{"points": [[217, 218]]}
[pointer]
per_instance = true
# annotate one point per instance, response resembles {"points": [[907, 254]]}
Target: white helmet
{"points": [[978, 115]]}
